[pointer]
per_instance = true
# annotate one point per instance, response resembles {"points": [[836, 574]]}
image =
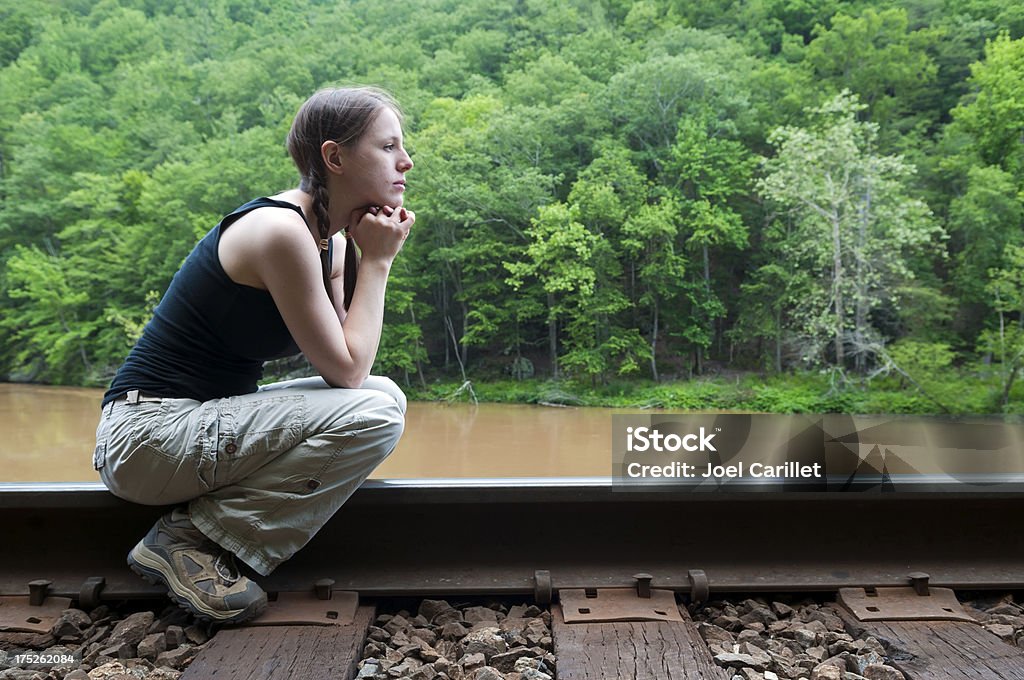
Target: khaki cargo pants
{"points": [[262, 472]]}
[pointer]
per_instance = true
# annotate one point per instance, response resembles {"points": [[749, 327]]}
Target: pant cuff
{"points": [[250, 554]]}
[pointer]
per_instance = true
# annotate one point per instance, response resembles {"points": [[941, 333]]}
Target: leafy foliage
{"points": [[590, 194]]}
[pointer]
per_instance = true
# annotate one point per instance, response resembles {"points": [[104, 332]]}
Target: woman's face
{"points": [[374, 169]]}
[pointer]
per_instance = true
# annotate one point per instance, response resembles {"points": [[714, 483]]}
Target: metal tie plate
{"points": [[604, 605], [903, 604], [306, 608], [17, 614]]}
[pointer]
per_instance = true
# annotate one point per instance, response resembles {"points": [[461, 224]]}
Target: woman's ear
{"points": [[330, 152]]}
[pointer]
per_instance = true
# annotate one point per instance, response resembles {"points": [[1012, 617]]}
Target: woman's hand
{"points": [[381, 232]]}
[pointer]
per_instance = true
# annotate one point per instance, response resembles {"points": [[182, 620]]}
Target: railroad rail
{"points": [[435, 537], [602, 554]]}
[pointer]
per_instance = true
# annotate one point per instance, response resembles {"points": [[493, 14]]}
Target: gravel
{"points": [[765, 639], [106, 644], [756, 639], [445, 641]]}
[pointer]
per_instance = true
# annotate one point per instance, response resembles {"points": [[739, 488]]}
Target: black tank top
{"points": [[209, 336]]}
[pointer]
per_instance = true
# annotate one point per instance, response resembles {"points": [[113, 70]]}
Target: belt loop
{"points": [[132, 396]]}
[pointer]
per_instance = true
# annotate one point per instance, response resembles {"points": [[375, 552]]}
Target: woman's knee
{"points": [[387, 386]]}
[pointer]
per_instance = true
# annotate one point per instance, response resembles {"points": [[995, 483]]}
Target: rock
{"points": [[485, 641], [162, 673], [1005, 608], [174, 636], [712, 633], [119, 650], [177, 658], [782, 610], [378, 634], [110, 671], [506, 661], [751, 674], [22, 674], [761, 658], [171, 616], [71, 625], [77, 674], [447, 616], [534, 674], [396, 624], [401, 670], [882, 672], [519, 612], [761, 615], [471, 662], [751, 637], [424, 673], [453, 630], [728, 622], [804, 637], [196, 634], [132, 629], [431, 608], [476, 615], [487, 673], [738, 661], [101, 612], [525, 662], [1002, 630], [425, 634], [152, 645], [368, 669], [409, 650], [826, 672]]}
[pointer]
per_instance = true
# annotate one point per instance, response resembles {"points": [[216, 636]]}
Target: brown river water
{"points": [[47, 435]]}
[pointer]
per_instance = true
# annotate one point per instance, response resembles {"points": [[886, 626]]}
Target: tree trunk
{"points": [[778, 340], [444, 314], [654, 342], [463, 347], [553, 338], [837, 287], [861, 314]]}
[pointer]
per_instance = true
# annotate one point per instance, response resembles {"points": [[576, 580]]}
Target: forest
{"points": [[608, 193]]}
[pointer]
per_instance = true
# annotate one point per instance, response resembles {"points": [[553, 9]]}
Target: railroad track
{"points": [[555, 540]]}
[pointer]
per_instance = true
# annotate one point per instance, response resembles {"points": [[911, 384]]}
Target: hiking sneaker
{"points": [[199, 574]]}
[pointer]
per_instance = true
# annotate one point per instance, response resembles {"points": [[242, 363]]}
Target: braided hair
{"points": [[341, 115]]}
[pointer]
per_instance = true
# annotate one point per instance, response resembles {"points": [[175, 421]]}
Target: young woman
{"points": [[262, 469]]}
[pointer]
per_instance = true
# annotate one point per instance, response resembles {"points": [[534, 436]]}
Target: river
{"points": [[47, 435]]}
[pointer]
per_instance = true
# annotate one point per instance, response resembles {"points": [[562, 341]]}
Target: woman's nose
{"points": [[405, 164]]}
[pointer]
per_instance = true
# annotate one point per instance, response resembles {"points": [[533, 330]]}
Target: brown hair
{"points": [[341, 115]]}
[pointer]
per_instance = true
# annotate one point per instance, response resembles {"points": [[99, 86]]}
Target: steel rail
{"points": [[452, 537]]}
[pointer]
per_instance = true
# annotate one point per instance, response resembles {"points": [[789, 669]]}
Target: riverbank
{"points": [[954, 394]]}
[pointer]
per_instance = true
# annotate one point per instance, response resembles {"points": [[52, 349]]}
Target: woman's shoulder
{"points": [[265, 234]]}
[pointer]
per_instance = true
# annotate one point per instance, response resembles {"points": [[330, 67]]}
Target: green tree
{"points": [[879, 59], [1006, 341], [854, 222]]}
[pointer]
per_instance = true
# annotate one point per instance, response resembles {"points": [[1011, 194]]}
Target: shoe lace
{"points": [[226, 568]]}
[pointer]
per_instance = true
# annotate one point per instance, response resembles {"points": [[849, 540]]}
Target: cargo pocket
{"points": [[252, 430], [99, 455]]}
